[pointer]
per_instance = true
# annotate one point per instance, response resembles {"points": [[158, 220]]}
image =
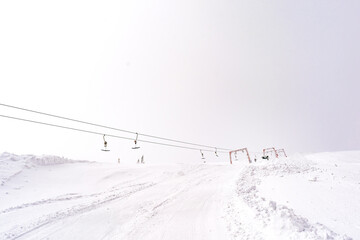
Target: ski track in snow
{"points": [[181, 201], [103, 198], [270, 220], [148, 213], [153, 217], [151, 210]]}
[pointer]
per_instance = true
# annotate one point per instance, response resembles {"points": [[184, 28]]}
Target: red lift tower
{"points": [[281, 151], [240, 150], [267, 150]]}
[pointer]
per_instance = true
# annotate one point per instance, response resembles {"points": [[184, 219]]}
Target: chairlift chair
{"points": [[105, 145], [135, 141], [202, 155]]}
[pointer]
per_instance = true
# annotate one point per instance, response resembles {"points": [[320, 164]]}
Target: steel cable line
{"points": [[109, 135], [112, 128]]}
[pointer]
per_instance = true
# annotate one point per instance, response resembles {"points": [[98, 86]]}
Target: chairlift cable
{"points": [[108, 135], [112, 128]]}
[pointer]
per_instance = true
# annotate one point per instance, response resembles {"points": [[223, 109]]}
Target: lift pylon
{"points": [[266, 150], [281, 151], [240, 150]]}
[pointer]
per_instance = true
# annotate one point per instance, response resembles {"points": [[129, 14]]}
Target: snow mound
{"points": [[12, 164], [305, 196], [49, 160]]}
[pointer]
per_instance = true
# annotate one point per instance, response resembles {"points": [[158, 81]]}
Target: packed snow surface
{"points": [[314, 196]]}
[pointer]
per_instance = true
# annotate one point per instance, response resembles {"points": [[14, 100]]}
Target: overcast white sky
{"points": [[226, 73]]}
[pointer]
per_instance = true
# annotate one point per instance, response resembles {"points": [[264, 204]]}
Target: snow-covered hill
{"points": [[12, 165], [303, 197]]}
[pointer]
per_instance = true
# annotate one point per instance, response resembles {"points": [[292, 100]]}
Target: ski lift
{"points": [[105, 145], [202, 155], [216, 154], [135, 141], [236, 156]]}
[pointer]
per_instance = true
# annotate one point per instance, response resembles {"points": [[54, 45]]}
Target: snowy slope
{"points": [[325, 189], [97, 201], [303, 197]]}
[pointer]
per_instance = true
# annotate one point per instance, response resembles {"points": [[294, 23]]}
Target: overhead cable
{"points": [[109, 135], [112, 128]]}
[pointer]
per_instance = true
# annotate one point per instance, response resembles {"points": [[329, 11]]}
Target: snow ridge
{"points": [[11, 164], [269, 218]]}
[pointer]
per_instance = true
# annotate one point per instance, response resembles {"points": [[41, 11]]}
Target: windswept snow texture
{"points": [[11, 164], [303, 197]]}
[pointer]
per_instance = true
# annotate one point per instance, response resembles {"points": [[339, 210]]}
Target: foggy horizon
{"points": [[223, 73]]}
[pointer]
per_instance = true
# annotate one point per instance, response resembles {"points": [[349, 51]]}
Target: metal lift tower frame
{"points": [[238, 150], [281, 151], [265, 150]]}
